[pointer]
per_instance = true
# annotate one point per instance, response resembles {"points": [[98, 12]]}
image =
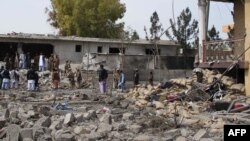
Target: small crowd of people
{"points": [[119, 79], [10, 76]]}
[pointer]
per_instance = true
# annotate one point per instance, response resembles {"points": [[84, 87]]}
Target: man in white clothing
{"points": [[41, 62]]}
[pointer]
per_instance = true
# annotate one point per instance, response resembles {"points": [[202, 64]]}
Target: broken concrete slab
{"points": [[44, 122], [69, 118], [104, 127], [81, 130], [128, 116], [26, 133], [201, 133], [13, 131], [106, 118], [180, 138], [136, 128]]}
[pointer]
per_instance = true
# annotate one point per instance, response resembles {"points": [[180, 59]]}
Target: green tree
{"points": [[185, 30], [155, 29], [213, 34], [135, 36], [87, 18]]}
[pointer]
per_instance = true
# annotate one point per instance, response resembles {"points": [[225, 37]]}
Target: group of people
{"points": [[24, 61], [119, 79], [9, 75]]}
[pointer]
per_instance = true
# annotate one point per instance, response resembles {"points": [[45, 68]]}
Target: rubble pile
{"points": [[179, 109]]}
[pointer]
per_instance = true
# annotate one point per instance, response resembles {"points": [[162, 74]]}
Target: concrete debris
{"points": [[69, 118]]}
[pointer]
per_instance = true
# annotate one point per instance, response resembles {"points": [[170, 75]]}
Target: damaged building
{"points": [[232, 52]]}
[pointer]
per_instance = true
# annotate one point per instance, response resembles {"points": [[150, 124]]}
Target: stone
{"points": [[124, 104], [44, 122], [184, 132], [173, 133], [136, 128], [13, 132], [79, 118], [3, 134], [116, 111], [117, 118], [91, 114], [2, 123], [6, 114], [65, 137], [201, 133], [128, 116], [143, 138], [26, 133], [41, 133], [207, 139], [104, 127], [81, 130], [106, 118], [180, 138], [45, 110], [56, 125], [122, 127], [27, 139], [69, 118]]}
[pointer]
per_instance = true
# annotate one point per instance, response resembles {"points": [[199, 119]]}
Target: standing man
{"points": [[41, 62], [6, 79], [51, 62], [78, 78], [55, 78], [136, 77], [103, 75], [115, 78], [71, 78], [151, 78], [121, 84], [14, 78], [1, 77], [31, 77], [56, 61]]}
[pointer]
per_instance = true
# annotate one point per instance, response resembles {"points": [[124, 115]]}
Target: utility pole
{"points": [[203, 25]]}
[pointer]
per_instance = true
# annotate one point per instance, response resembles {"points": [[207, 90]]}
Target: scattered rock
{"points": [[44, 122], [122, 127], [26, 133], [207, 139], [143, 138], [104, 127], [136, 128], [79, 118], [81, 130], [13, 132], [180, 138], [128, 116], [69, 118], [201, 133], [106, 118]]}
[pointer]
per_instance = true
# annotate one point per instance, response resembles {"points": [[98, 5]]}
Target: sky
{"points": [[28, 16]]}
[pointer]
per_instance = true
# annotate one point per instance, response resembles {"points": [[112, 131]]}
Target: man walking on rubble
{"points": [[121, 84], [115, 78], [14, 78], [50, 62], [103, 75]]}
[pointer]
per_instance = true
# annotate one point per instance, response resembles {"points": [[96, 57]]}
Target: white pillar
{"points": [[202, 27]]}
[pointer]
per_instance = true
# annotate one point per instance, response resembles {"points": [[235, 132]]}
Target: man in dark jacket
{"points": [[103, 75], [6, 79], [1, 78], [31, 77], [136, 77]]}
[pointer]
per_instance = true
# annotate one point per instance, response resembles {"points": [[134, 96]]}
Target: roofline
{"points": [[81, 39]]}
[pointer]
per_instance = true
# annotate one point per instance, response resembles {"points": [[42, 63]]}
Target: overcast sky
{"points": [[28, 16]]}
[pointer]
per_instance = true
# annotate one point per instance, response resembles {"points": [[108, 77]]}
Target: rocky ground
{"points": [[84, 114]]}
